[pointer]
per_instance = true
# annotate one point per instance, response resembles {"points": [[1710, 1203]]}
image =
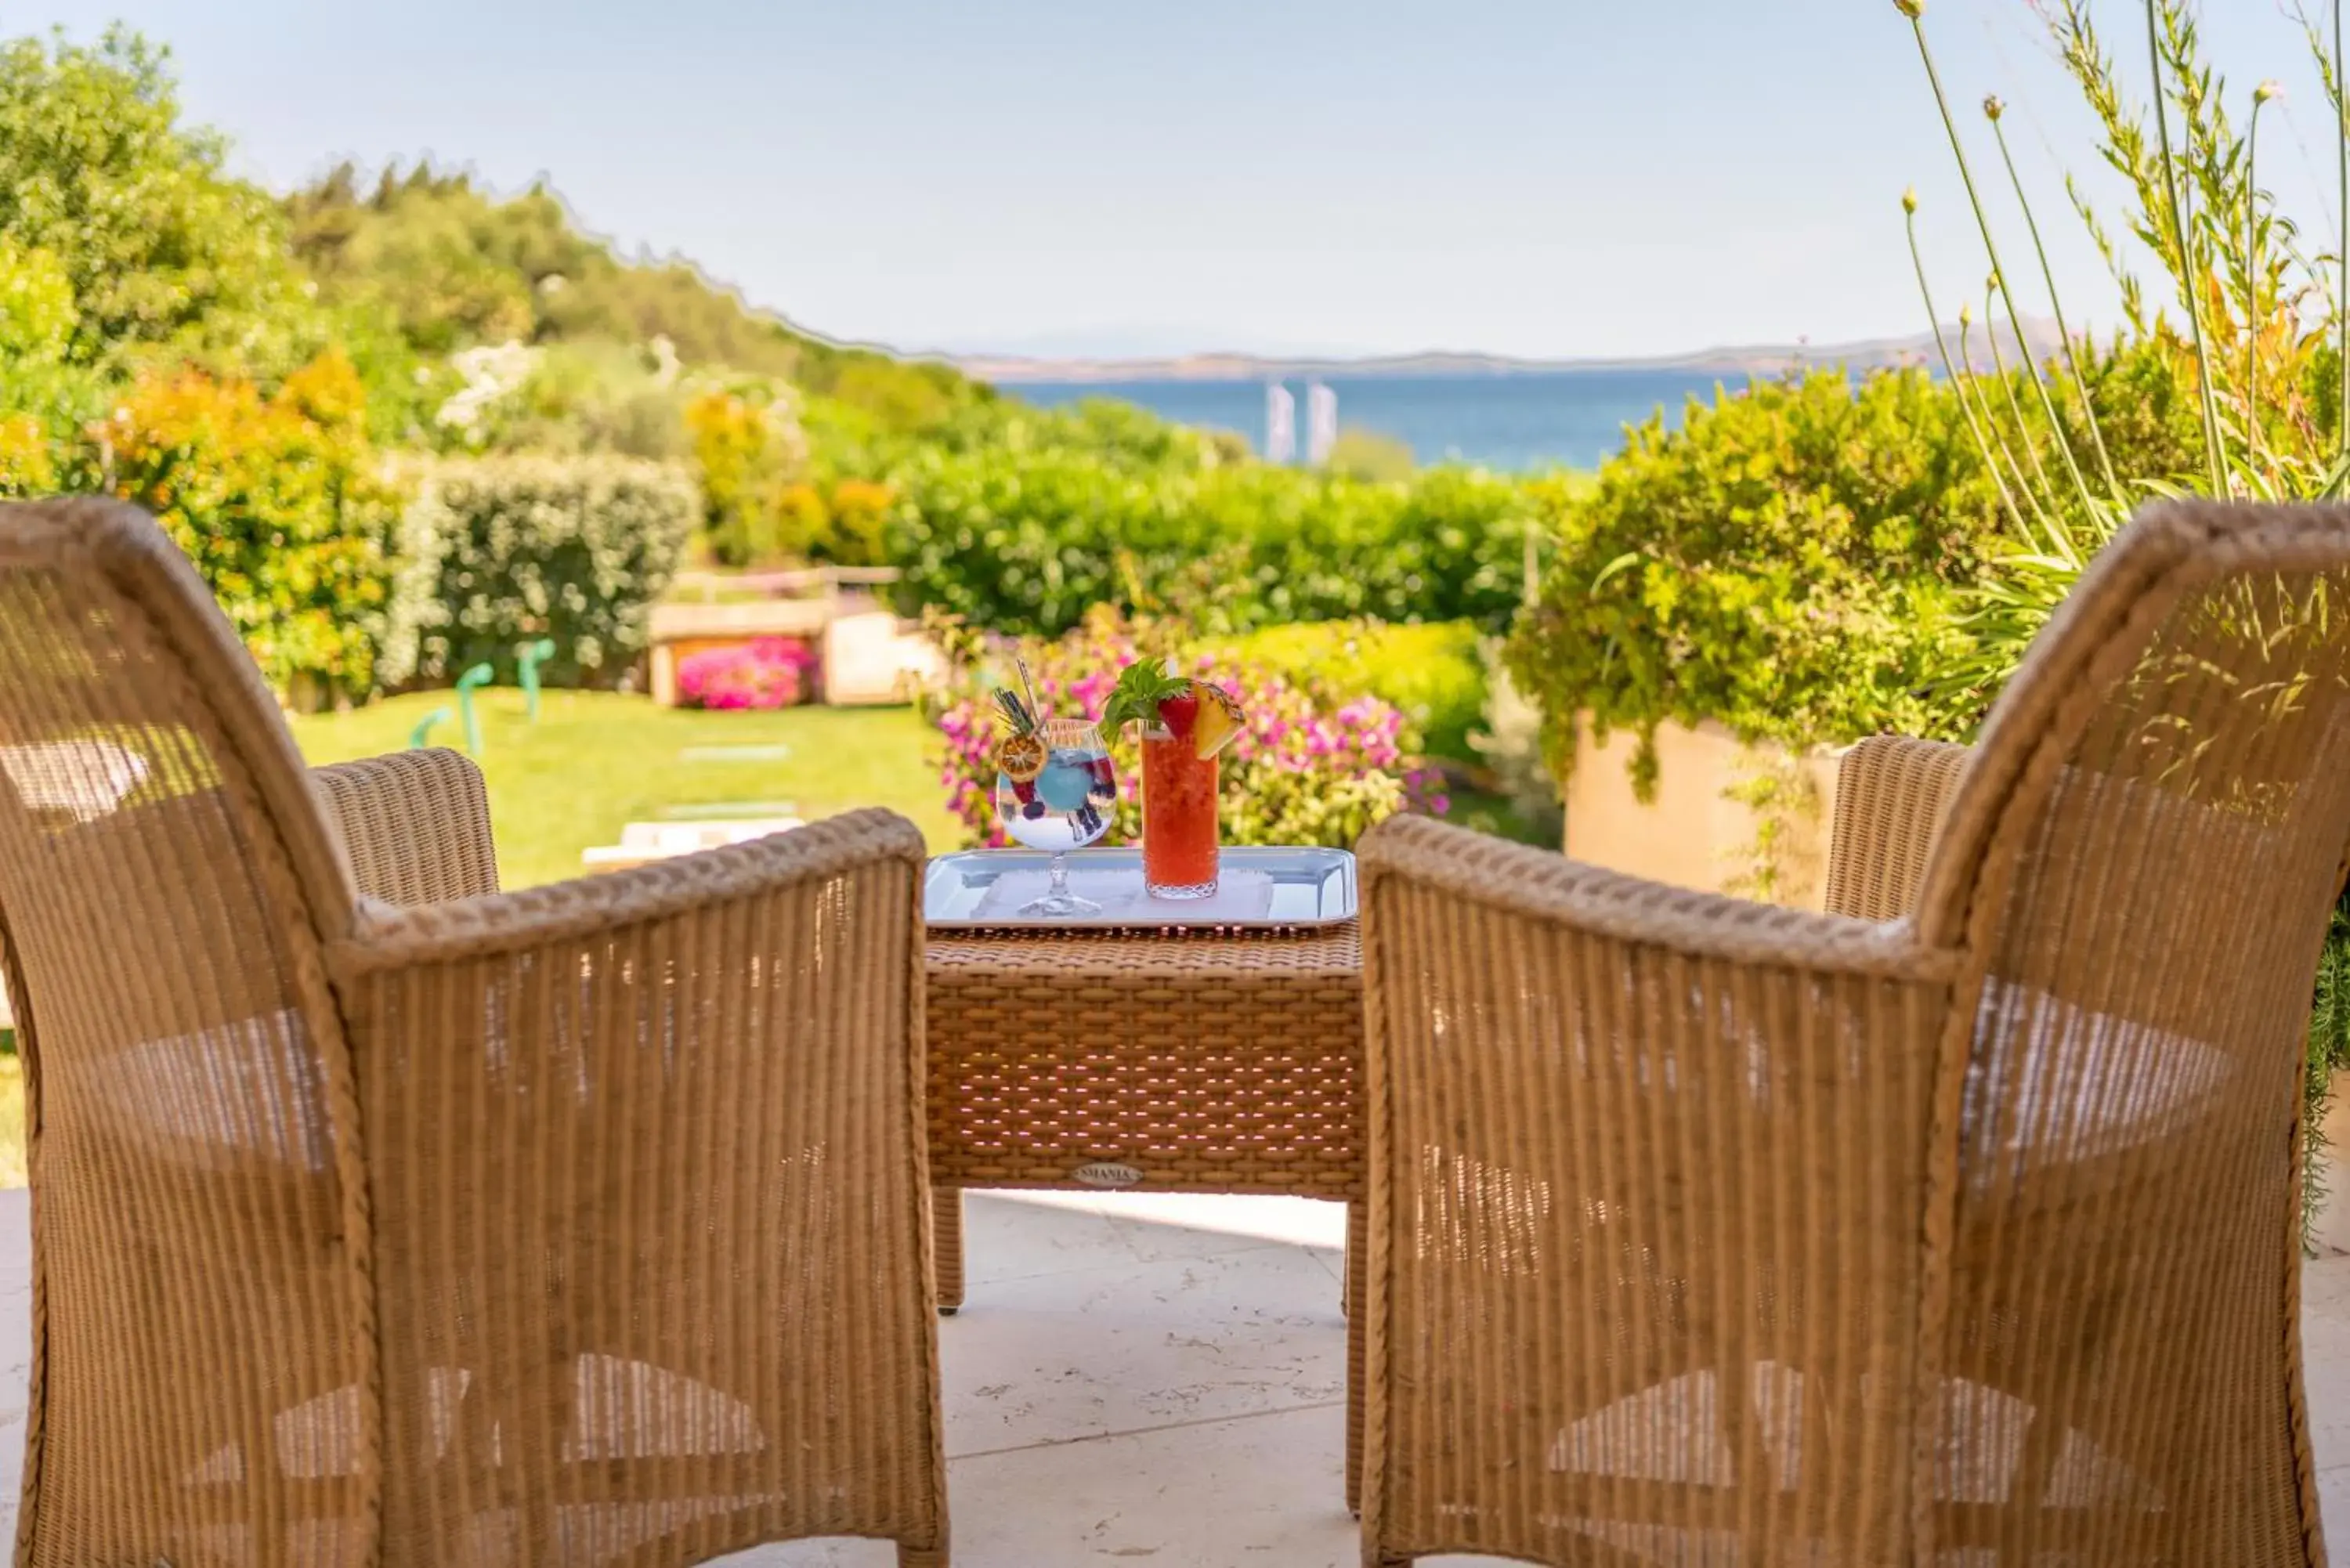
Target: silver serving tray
{"points": [[1310, 888]]}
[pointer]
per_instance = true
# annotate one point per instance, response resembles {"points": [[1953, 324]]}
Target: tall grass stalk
{"points": [[2261, 99], [1950, 367], [2007, 383], [1994, 110], [2192, 290], [1997, 450], [1990, 242]]}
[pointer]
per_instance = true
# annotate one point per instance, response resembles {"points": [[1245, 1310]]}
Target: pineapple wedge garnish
{"points": [[1220, 720]]}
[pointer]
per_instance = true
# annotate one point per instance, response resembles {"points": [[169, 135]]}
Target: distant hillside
{"points": [[1763, 361], [446, 264]]}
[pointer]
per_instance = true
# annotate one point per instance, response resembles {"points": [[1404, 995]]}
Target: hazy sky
{"points": [[1538, 177]]}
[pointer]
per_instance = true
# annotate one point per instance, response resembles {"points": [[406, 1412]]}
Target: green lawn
{"points": [[594, 761]]}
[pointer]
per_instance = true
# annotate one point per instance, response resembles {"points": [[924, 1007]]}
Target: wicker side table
{"points": [[1164, 1063]]}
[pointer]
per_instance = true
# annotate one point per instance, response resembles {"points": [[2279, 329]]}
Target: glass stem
{"points": [[1059, 885]]}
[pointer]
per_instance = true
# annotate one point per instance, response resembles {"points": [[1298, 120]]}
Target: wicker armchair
{"points": [[383, 1218], [1958, 1225]]}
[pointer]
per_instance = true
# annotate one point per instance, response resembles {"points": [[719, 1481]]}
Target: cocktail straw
{"points": [[1029, 686]]}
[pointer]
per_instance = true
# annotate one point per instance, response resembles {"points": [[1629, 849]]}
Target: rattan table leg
{"points": [[946, 1232], [1358, 1258], [922, 1557]]}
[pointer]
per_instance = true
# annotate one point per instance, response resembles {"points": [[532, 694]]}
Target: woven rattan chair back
{"points": [[2141, 867], [1966, 1234], [190, 1118], [579, 1225]]}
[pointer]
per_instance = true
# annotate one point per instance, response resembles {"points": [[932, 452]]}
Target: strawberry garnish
{"points": [[1141, 687], [1180, 714]]}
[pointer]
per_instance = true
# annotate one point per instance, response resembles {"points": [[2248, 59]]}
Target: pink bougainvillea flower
{"points": [[767, 672]]}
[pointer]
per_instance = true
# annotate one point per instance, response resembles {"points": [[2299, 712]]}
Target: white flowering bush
{"points": [[491, 372], [502, 550]]}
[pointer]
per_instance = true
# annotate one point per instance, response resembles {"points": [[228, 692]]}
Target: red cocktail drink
{"points": [[1179, 816], [1184, 724]]}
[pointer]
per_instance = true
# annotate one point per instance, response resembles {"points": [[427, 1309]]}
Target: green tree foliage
{"points": [[164, 255], [908, 396], [37, 307], [35, 318], [593, 397], [749, 453], [1446, 547], [430, 263], [449, 264], [1783, 564]]}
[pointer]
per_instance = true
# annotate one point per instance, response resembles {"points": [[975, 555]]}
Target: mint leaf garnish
{"points": [[1141, 687]]}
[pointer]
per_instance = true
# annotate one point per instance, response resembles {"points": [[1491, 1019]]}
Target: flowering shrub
{"points": [[769, 672], [1308, 768], [1430, 670]]}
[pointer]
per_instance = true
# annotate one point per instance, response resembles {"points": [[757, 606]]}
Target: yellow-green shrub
{"points": [[1433, 673], [1784, 563], [26, 467], [276, 501]]}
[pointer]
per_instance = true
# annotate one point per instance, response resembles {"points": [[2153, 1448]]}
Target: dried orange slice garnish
{"points": [[1020, 758]]}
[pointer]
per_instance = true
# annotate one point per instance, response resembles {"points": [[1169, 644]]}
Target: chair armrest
{"points": [[415, 824], [1891, 793], [1518, 883], [622, 905]]}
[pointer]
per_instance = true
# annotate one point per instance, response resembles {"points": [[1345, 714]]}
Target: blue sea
{"points": [[1528, 419]]}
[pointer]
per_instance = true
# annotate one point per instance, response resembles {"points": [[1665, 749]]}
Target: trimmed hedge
{"points": [[1024, 541], [499, 551]]}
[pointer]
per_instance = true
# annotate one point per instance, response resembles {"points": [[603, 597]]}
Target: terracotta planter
{"points": [[1696, 832]]}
